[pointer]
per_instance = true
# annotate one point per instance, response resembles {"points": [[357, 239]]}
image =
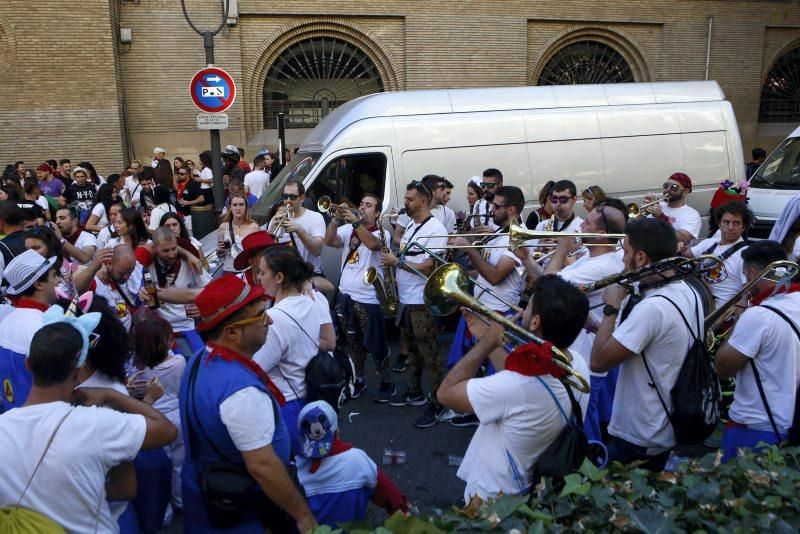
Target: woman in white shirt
{"points": [[162, 207], [293, 338], [106, 196], [236, 225]]}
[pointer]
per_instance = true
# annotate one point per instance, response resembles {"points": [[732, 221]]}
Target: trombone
{"points": [[634, 210], [683, 266], [326, 205], [780, 272], [447, 289]]}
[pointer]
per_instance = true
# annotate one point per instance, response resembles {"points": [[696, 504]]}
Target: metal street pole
{"points": [[216, 146]]}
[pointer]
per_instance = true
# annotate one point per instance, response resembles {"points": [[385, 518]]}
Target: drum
{"points": [[203, 222], [704, 292]]}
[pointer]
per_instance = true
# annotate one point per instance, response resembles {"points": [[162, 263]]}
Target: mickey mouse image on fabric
{"points": [[318, 424]]}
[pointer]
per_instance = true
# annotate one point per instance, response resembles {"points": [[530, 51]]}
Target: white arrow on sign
{"points": [[214, 79]]}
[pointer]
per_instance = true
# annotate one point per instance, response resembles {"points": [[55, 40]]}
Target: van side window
{"points": [[348, 178]]}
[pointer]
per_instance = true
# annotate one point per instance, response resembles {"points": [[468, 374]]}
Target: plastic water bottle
{"points": [[393, 457]]}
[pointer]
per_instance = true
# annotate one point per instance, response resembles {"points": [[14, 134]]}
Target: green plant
{"points": [[752, 493]]}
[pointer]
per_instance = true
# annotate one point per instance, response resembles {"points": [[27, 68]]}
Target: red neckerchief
{"points": [[764, 295], [534, 360], [231, 356], [26, 303], [337, 447]]}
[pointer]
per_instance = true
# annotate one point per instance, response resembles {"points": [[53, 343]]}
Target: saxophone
{"points": [[386, 287]]}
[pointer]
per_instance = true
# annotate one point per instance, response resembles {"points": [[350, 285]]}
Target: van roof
{"points": [[402, 103]]}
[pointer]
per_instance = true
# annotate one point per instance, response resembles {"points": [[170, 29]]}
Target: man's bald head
{"points": [[123, 261]]}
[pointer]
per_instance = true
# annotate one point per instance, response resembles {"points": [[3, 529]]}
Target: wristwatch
{"points": [[356, 224], [609, 310], [63, 240]]}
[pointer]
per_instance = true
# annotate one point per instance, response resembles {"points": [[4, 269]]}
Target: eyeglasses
{"points": [[603, 215], [289, 196], [244, 322], [671, 187], [559, 200], [422, 188], [487, 185], [496, 206]]}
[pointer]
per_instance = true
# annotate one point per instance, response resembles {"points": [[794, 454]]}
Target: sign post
{"points": [[213, 92]]}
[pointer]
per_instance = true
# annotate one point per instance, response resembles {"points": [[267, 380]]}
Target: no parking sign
{"points": [[212, 90]]}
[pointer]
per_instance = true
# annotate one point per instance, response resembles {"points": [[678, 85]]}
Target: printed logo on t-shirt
{"points": [[354, 258], [717, 275], [8, 391], [122, 310]]}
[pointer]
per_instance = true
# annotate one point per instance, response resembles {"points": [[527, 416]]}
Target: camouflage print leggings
{"points": [[419, 330], [355, 344]]}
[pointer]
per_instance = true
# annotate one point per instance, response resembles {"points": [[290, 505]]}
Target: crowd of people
{"points": [[140, 382]]}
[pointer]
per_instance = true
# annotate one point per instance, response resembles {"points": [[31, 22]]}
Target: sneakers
{"points": [[400, 365], [465, 419], [448, 415], [431, 415], [358, 387], [385, 393], [408, 399]]}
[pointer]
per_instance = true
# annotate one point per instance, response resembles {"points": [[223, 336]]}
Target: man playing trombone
{"points": [[417, 324], [648, 339], [357, 304], [763, 353], [498, 269]]}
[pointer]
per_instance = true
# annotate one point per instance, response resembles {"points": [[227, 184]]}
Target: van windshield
{"points": [[298, 169], [782, 168]]}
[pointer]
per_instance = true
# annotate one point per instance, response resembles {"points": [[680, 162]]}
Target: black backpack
{"points": [[696, 393]]}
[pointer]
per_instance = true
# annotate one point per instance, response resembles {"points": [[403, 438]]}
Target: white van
{"points": [[775, 182], [626, 138]]}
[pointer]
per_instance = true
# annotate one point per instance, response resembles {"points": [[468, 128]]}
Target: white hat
{"points": [[231, 149], [158, 150], [24, 270], [475, 180]]}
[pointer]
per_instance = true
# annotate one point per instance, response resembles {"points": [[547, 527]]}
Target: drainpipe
{"points": [[708, 44]]}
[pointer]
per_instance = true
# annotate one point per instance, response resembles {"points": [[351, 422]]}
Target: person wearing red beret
{"points": [[683, 218]]}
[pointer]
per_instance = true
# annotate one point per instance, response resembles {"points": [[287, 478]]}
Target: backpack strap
{"points": [[41, 458], [278, 367]]}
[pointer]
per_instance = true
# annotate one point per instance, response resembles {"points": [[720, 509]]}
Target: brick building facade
{"points": [[72, 89]]}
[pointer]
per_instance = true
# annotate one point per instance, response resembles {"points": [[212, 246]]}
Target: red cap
{"points": [[44, 167], [222, 298], [682, 179], [723, 197], [252, 244]]}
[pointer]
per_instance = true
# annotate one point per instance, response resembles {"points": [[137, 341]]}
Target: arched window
{"points": [[313, 77], [586, 62], [780, 95]]}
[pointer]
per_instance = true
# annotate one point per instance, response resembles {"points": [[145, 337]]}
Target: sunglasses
{"points": [[486, 185], [182, 174], [289, 196], [671, 187], [603, 215], [244, 322], [496, 206], [559, 200], [94, 339], [422, 188]]}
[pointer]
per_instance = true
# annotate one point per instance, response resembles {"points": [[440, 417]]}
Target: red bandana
{"points": [[231, 356], [337, 447], [23, 302], [534, 360], [764, 295]]}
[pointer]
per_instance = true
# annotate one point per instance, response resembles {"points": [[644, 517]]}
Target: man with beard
{"points": [[76, 244], [683, 218], [492, 180]]}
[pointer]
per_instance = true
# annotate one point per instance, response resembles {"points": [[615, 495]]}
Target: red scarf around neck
{"points": [[337, 447], [534, 360], [765, 294], [231, 356], [30, 304]]}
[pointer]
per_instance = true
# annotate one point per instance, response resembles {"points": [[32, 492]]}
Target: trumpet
{"points": [[326, 205], [447, 289], [683, 267], [634, 210], [783, 270], [276, 228]]}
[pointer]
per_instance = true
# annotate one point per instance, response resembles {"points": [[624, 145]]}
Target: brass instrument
{"points": [[326, 205], [276, 228], [463, 224], [386, 288], [634, 210], [725, 312], [683, 266], [447, 289]]}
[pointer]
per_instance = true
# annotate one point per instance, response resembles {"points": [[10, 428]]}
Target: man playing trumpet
{"points": [[683, 218], [304, 229], [357, 304]]}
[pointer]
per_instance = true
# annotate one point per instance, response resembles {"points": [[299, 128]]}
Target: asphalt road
{"points": [[426, 478]]}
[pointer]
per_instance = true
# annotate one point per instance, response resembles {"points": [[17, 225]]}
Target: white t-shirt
{"points": [[169, 373], [352, 279], [249, 419], [411, 285], [42, 202], [100, 380], [287, 350], [86, 239], [257, 181], [186, 279], [104, 236], [655, 327], [764, 336], [446, 216], [573, 227], [314, 224], [518, 421], [158, 212], [726, 282], [133, 188], [112, 295], [511, 287], [91, 441], [484, 208], [18, 327], [99, 211], [206, 174], [683, 218]]}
